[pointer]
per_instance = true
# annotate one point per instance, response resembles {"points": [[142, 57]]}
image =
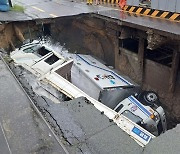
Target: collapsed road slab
{"points": [[166, 143], [84, 128]]}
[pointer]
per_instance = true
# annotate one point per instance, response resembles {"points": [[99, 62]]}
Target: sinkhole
{"points": [[90, 35]]}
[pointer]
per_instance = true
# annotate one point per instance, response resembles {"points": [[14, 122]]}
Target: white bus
{"points": [[98, 81], [118, 93]]}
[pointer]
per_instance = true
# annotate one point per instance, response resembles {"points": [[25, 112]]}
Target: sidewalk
{"points": [[21, 129]]}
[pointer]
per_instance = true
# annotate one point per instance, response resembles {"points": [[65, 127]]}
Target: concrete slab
{"points": [[142, 21], [100, 135], [89, 131], [166, 143], [113, 140], [13, 16]]}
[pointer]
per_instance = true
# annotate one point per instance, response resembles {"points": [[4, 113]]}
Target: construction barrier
{"points": [[140, 10], [173, 16], [115, 2]]}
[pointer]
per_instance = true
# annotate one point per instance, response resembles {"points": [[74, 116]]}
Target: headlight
{"points": [[154, 117]]}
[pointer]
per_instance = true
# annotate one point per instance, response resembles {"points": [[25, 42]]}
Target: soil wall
{"points": [[85, 35]]}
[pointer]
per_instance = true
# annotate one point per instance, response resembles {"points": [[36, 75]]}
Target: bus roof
{"points": [[100, 74]]}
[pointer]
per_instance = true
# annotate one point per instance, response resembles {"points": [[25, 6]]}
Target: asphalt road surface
{"points": [[40, 9], [22, 130]]}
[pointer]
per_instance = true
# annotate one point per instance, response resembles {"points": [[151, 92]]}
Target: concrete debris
{"points": [[155, 40]]}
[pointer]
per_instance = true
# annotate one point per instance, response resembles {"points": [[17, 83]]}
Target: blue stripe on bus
{"points": [[121, 78], [140, 106]]}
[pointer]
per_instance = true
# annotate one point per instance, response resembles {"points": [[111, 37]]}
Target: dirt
{"points": [[82, 35], [13, 34]]}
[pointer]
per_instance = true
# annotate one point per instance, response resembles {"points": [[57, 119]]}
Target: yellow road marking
{"points": [[147, 11], [174, 16], [155, 13], [138, 13], [38, 9], [112, 1], [139, 10], [125, 7], [164, 14], [53, 15], [154, 17], [131, 9]]}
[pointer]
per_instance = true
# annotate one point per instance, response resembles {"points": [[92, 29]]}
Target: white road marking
{"points": [[53, 15], [5, 138]]}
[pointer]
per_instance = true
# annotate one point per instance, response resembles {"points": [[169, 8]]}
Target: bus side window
{"points": [[119, 108]]}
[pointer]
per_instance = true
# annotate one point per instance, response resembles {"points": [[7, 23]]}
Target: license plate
{"points": [[141, 134]]}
